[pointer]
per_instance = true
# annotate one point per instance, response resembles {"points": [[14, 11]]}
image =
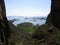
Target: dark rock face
{"points": [[4, 27], [54, 15], [55, 12]]}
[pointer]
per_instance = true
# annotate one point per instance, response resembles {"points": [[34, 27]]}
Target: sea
{"points": [[21, 19]]}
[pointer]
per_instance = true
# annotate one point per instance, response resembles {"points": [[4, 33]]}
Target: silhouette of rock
{"points": [[4, 27], [54, 16]]}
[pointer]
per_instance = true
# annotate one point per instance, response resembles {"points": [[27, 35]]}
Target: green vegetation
{"points": [[29, 34], [26, 27]]}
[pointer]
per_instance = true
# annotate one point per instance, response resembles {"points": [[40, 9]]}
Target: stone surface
{"points": [[54, 16], [4, 27]]}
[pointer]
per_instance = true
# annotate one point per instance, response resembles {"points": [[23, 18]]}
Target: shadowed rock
{"points": [[54, 16], [4, 27]]}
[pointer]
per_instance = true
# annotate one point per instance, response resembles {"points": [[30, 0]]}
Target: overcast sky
{"points": [[27, 7]]}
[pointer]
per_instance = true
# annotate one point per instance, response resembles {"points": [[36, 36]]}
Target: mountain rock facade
{"points": [[4, 27], [54, 16]]}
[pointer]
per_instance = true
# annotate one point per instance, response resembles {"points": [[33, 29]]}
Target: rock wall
{"points": [[4, 27], [54, 16]]}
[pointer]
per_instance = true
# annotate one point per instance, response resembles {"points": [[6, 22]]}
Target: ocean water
{"points": [[34, 20]]}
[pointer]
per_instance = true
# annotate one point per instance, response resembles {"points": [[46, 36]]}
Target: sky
{"points": [[27, 7]]}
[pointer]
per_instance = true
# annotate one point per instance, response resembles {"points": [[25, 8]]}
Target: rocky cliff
{"points": [[4, 27], [54, 16]]}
